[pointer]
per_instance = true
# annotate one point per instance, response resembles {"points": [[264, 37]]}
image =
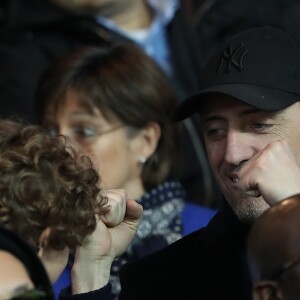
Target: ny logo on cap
{"points": [[233, 58]]}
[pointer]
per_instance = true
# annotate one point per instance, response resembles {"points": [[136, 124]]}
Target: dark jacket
{"points": [[217, 20], [33, 33], [207, 264], [103, 294]]}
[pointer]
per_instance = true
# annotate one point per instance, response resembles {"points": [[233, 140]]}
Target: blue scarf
{"points": [[160, 226]]}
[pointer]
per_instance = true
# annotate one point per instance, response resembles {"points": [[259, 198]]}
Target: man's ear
{"points": [[149, 138], [267, 290]]}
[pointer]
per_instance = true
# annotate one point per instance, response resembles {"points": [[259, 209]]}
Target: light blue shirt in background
{"points": [[154, 39]]}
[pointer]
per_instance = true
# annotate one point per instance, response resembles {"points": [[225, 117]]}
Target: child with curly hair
{"points": [[50, 197]]}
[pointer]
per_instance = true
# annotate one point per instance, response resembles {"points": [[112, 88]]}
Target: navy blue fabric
{"points": [[62, 282]]}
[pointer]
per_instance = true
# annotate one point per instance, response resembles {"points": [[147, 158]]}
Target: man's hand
{"points": [[114, 232], [273, 173]]}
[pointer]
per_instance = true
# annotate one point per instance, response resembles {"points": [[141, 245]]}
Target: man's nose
{"points": [[238, 148]]}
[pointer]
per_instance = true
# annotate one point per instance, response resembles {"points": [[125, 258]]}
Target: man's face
{"points": [[233, 133]]}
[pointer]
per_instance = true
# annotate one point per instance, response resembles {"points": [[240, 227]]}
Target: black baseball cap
{"points": [[260, 67]]}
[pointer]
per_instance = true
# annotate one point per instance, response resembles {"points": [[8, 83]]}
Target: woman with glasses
{"points": [[115, 105]]}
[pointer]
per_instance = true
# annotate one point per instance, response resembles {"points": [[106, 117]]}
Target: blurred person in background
{"points": [[216, 20]]}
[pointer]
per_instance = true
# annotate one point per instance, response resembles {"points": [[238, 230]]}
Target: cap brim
{"points": [[263, 98]]}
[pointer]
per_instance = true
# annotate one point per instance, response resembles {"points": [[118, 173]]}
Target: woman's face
{"points": [[113, 152]]}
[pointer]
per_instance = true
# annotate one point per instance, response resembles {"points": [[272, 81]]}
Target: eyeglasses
{"points": [[104, 132], [32, 294], [283, 269], [82, 130]]}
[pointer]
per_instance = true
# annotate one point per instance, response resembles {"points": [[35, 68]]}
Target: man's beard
{"points": [[246, 208]]}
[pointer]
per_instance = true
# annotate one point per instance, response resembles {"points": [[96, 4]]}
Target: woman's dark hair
{"points": [[125, 84], [45, 185], [14, 245]]}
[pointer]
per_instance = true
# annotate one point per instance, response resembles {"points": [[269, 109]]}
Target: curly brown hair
{"points": [[43, 184]]}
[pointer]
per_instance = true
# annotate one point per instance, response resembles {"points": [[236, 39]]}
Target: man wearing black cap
{"points": [[249, 110]]}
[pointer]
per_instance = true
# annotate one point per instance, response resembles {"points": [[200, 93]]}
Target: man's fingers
{"points": [[124, 234], [116, 207], [134, 211], [249, 187]]}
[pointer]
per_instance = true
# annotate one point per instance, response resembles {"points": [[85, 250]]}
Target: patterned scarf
{"points": [[160, 226]]}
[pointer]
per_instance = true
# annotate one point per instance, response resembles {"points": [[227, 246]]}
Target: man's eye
{"points": [[214, 132], [261, 126]]}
